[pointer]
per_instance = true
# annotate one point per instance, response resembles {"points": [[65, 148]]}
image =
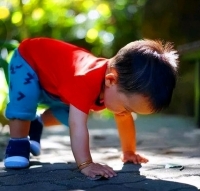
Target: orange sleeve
{"points": [[127, 132]]}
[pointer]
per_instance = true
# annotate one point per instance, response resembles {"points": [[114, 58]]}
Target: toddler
{"points": [[71, 81]]}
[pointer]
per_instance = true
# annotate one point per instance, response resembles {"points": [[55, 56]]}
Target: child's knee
{"points": [[48, 118]]}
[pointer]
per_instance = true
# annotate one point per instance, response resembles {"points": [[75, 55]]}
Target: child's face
{"points": [[120, 103]]}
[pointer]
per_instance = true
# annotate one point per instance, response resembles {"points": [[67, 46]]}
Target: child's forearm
{"points": [[79, 135], [80, 144], [127, 132]]}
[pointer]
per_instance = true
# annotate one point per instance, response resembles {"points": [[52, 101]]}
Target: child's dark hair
{"points": [[148, 68]]}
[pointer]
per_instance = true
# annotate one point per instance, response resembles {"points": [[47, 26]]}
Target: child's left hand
{"points": [[130, 156]]}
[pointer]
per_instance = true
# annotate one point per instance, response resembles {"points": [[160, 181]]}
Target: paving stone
{"points": [[159, 138], [112, 187], [161, 185]]}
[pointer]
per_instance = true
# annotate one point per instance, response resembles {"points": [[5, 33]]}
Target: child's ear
{"points": [[110, 79]]}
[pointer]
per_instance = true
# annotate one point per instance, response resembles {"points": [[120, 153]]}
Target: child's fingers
{"points": [[107, 171], [104, 173], [137, 159], [110, 171], [134, 158], [98, 169], [144, 160], [141, 159]]}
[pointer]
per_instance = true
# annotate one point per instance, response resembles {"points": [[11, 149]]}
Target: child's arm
{"points": [[127, 135], [80, 145]]}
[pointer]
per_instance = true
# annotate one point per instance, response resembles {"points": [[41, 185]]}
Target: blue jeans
{"points": [[25, 93]]}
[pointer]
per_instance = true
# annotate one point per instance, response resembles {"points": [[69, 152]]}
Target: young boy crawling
{"points": [[71, 81]]}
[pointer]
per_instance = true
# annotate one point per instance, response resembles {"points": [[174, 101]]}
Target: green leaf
{"points": [[4, 65], [9, 45]]}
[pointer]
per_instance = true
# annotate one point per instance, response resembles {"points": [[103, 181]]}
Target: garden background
{"points": [[103, 27]]}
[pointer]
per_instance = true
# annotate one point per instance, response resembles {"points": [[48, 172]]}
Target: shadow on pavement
{"points": [[65, 176]]}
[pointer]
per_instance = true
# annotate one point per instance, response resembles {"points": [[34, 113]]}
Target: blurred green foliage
{"points": [[103, 27], [100, 26], [96, 25]]}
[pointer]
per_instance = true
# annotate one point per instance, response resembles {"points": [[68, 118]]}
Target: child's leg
{"points": [[19, 128], [18, 149], [35, 133], [47, 119], [61, 114], [58, 112], [36, 127], [24, 92], [56, 115], [51, 117]]}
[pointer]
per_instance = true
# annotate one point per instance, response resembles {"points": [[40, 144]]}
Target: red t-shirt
{"points": [[67, 71]]}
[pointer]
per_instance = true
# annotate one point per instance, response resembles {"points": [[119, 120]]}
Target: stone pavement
{"points": [[163, 139]]}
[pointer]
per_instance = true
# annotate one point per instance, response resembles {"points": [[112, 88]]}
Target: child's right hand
{"points": [[98, 169], [130, 156]]}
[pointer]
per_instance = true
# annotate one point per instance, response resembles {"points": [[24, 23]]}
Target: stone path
{"points": [[163, 139]]}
